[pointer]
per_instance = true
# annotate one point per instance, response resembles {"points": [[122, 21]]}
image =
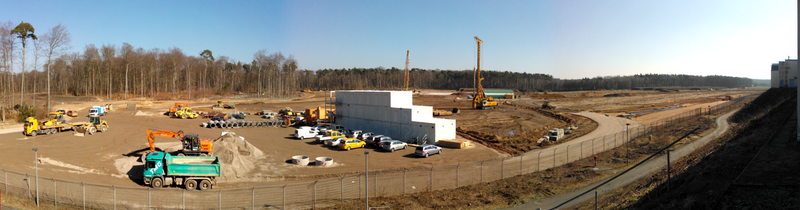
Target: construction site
{"points": [[298, 149]]}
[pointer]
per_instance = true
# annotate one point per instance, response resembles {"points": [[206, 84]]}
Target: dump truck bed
{"points": [[192, 166]]}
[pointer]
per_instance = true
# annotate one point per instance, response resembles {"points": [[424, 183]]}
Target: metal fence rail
{"points": [[64, 193]]}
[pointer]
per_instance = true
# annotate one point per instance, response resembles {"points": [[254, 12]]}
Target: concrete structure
{"points": [[390, 113], [787, 73], [774, 79], [498, 93]]}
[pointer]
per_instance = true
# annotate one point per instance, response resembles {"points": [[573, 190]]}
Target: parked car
{"points": [[365, 135], [350, 143], [378, 142], [353, 133], [427, 149], [335, 142], [304, 132], [371, 139], [333, 127], [393, 145]]}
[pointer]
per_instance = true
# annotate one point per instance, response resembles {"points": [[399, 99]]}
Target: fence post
{"points": [[219, 199], [148, 198], [183, 199], [284, 196], [376, 184], [520, 163], [502, 168], [55, 194], [482, 170], [593, 145], [404, 180], [431, 178], [341, 188], [554, 157], [567, 153], [253, 200], [315, 195], [115, 197], [457, 167], [84, 196], [539, 161], [359, 186]]}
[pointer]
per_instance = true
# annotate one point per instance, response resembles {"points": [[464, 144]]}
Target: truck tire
{"points": [[156, 183], [204, 185], [103, 128], [183, 116], [190, 185], [33, 133], [181, 155], [91, 130]]}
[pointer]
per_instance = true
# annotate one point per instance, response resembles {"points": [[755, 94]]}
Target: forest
{"points": [[124, 71]]}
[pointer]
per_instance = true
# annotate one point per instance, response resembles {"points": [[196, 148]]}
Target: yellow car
{"points": [[347, 144]]}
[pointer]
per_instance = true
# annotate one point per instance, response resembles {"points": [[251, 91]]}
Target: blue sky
{"points": [[567, 39]]}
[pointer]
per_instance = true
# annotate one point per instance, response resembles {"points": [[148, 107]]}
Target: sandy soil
{"points": [[108, 158]]}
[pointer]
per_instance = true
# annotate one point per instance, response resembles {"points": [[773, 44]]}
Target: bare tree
{"points": [[57, 41], [7, 45], [127, 52], [109, 52]]}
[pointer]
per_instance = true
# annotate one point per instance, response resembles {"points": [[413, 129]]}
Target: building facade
{"points": [[390, 113]]}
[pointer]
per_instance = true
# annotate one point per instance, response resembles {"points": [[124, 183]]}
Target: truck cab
{"points": [[31, 125]]}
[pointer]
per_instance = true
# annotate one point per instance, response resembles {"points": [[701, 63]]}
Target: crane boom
{"points": [[407, 73]]}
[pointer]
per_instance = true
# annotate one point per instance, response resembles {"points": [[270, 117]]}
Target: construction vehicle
{"points": [[97, 111], [32, 127], [727, 98], [55, 118], [191, 144], [185, 113], [163, 169], [479, 99], [178, 106], [405, 80], [109, 107], [221, 105], [314, 116], [548, 105]]}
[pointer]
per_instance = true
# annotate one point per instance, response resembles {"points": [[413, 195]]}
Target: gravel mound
{"points": [[238, 157]]}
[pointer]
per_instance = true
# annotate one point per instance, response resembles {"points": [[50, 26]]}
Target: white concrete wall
{"points": [[787, 72], [391, 113]]}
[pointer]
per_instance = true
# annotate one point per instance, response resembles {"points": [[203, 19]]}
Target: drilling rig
{"points": [[479, 99]]}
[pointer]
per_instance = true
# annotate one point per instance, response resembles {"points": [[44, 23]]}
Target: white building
{"points": [[774, 79], [787, 73], [390, 113]]}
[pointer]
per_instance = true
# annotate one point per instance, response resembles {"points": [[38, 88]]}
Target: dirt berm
{"points": [[238, 157]]}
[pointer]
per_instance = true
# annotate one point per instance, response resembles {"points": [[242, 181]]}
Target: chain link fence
{"points": [[63, 193]]}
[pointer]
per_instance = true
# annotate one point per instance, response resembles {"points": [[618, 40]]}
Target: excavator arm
{"points": [[152, 134]]}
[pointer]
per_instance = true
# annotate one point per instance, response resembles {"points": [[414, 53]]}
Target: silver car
{"points": [[427, 149], [393, 145], [334, 142]]}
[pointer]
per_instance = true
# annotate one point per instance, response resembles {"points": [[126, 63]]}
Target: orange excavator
{"points": [[192, 145]]}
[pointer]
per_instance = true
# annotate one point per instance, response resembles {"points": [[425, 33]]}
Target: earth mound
{"points": [[238, 157]]}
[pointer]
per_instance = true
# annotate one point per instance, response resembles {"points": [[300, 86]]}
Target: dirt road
{"points": [[643, 170]]}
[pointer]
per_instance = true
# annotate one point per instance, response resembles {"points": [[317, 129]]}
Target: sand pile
{"points": [[238, 157]]}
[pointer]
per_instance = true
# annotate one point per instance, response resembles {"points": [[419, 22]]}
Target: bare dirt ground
{"points": [[110, 158]]}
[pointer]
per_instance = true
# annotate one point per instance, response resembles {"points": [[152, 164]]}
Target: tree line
{"points": [[392, 78], [124, 71]]}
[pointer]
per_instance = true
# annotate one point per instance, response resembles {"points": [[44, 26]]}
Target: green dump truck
{"points": [[193, 172]]}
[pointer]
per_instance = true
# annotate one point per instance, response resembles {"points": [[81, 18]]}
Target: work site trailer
{"points": [[193, 172]]}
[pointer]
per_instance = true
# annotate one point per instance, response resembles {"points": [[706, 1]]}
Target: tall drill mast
{"points": [[407, 72]]}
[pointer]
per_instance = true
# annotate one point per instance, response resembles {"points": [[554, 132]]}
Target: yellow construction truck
{"points": [[33, 127]]}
